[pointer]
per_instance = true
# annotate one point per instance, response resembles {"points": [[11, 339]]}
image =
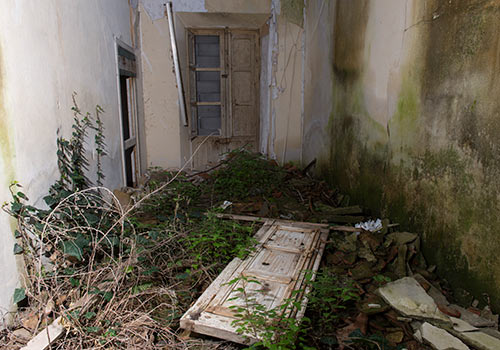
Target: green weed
{"points": [[247, 174], [217, 241], [330, 295], [276, 328]]}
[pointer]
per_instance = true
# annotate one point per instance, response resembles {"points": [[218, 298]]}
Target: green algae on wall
{"points": [[6, 141], [293, 11], [435, 169]]}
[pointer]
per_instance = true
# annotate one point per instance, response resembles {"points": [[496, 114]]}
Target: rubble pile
{"points": [[401, 297]]}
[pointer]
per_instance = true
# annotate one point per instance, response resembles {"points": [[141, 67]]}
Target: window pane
{"points": [[208, 86], [209, 120], [207, 51]]}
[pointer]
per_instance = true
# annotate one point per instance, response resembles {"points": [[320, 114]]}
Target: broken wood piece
{"points": [[263, 219], [46, 337], [345, 228], [279, 263], [354, 209], [347, 219]]}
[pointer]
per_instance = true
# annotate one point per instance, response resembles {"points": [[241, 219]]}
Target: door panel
{"points": [[284, 253], [244, 85]]}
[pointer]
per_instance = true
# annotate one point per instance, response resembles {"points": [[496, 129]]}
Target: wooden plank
{"points": [[355, 209], [345, 219], [285, 251], [47, 336], [292, 223]]}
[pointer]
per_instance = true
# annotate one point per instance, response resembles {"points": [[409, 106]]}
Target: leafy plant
{"points": [[246, 174], [330, 294], [218, 241], [275, 328], [80, 220]]}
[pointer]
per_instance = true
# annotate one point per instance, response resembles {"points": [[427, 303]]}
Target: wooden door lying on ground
{"points": [[283, 255]]}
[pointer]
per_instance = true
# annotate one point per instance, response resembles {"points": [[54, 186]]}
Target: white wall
{"points": [[319, 31], [48, 50], [161, 108]]}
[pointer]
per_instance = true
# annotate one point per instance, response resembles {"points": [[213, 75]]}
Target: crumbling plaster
{"points": [[48, 51]]}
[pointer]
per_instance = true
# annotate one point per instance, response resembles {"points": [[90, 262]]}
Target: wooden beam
{"points": [[47, 336]]}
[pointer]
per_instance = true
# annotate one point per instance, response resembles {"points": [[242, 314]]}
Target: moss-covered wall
{"points": [[418, 140]]}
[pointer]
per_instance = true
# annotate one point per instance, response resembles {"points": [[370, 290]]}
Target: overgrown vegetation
{"points": [[121, 275]]}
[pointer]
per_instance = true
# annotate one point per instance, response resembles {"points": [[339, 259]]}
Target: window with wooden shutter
{"points": [[223, 91]]}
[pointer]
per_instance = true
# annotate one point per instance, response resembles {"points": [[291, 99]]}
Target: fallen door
{"points": [[284, 253]]}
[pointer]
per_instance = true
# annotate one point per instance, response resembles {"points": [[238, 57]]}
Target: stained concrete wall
{"points": [[413, 128], [48, 50]]}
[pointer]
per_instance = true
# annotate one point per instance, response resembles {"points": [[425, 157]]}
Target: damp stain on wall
{"points": [[6, 137], [433, 167]]}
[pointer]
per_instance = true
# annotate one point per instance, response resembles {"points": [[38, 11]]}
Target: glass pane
{"points": [[209, 120], [207, 51], [208, 86]]}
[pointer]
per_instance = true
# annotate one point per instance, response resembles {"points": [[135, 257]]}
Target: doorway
{"points": [[223, 84], [128, 110]]}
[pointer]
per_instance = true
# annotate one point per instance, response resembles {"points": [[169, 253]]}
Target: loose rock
{"points": [[409, 298], [480, 340], [440, 339]]}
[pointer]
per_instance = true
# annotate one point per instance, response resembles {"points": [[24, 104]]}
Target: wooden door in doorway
{"points": [[224, 92]]}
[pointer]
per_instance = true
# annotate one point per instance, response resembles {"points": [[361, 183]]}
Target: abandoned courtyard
{"points": [[250, 174]]}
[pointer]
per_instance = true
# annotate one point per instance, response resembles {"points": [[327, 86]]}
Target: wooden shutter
{"points": [[285, 251], [244, 75]]}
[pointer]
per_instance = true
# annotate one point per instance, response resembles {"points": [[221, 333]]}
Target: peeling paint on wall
{"points": [[156, 8]]}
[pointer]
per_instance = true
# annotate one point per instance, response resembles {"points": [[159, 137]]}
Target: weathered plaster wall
{"points": [[161, 108], [414, 130], [286, 98], [49, 50], [282, 114], [318, 70]]}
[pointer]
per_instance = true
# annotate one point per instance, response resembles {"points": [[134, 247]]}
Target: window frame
{"points": [[191, 81]]}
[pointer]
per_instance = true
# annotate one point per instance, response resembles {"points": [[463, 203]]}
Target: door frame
{"points": [[126, 144], [226, 137]]}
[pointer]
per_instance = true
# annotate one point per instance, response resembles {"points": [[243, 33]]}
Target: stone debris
{"points": [[22, 333], [439, 339], [474, 319], [490, 331], [408, 297], [462, 326], [465, 330], [480, 340], [401, 238]]}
